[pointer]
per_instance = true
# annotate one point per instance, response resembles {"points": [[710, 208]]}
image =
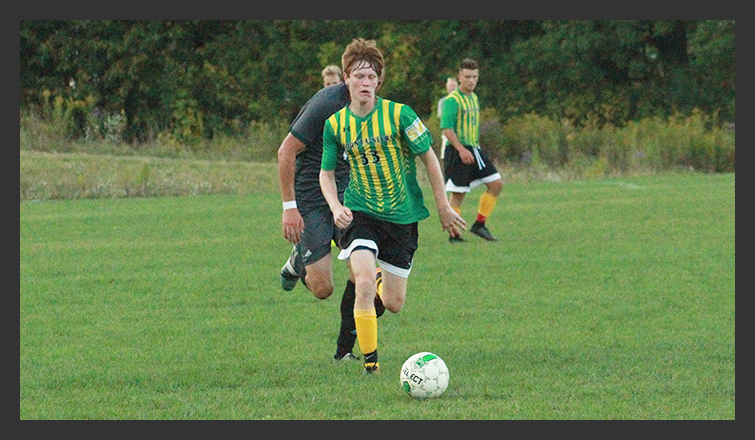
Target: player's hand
{"points": [[293, 225], [451, 221], [342, 217], [467, 157]]}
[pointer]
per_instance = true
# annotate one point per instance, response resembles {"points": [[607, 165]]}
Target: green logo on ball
{"points": [[407, 388], [424, 359]]}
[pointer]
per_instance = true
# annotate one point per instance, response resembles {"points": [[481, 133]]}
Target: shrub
{"points": [[539, 146], [532, 138]]}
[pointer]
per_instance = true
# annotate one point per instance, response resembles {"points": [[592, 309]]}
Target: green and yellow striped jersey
{"points": [[381, 148], [461, 113]]}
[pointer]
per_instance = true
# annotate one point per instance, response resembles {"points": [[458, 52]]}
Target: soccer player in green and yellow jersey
{"points": [[466, 165], [383, 203]]}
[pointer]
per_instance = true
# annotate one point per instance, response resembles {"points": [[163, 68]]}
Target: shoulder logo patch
{"points": [[415, 130]]}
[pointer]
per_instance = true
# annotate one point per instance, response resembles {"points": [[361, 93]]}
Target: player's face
{"points": [[451, 85], [468, 80], [362, 82], [330, 80]]}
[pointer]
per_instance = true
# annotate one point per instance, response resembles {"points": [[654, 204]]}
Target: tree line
{"points": [[202, 78]]}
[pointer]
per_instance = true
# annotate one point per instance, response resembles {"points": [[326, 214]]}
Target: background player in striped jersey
{"points": [[383, 203], [451, 85], [466, 165]]}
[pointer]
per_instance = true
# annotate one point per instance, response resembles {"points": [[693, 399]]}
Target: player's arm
{"points": [[341, 215], [449, 219], [466, 156], [292, 222]]}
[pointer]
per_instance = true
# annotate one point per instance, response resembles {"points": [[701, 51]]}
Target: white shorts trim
{"points": [[346, 253], [399, 272], [388, 267], [451, 187]]}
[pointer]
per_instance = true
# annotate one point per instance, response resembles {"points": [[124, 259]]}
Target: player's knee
{"points": [[456, 199], [495, 187], [393, 305], [321, 292], [365, 284], [321, 287]]}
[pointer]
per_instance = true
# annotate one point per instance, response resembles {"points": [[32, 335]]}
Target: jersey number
{"points": [[366, 159]]}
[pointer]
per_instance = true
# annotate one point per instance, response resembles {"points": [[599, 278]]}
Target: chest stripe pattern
{"points": [[378, 162], [467, 118]]}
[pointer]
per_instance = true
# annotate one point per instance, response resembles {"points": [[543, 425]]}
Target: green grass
{"points": [[604, 299]]}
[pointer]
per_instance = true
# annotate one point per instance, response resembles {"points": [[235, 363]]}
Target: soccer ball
{"points": [[424, 375]]}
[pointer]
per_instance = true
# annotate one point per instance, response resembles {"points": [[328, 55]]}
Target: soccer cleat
{"points": [[456, 239], [289, 277], [345, 358], [379, 307], [371, 365], [479, 229]]}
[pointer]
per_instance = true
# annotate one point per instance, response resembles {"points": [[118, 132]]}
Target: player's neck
{"points": [[362, 108]]}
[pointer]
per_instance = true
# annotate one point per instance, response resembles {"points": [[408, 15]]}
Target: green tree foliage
{"points": [[197, 79], [617, 71]]}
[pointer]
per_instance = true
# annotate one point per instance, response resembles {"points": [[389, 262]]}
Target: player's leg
{"points": [[456, 200], [362, 263], [319, 277], [488, 175], [489, 199], [394, 291], [347, 333], [458, 177], [398, 243], [314, 263]]}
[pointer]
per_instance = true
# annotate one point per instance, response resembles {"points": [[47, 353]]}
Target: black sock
{"points": [[303, 276], [301, 269], [379, 307], [347, 335]]}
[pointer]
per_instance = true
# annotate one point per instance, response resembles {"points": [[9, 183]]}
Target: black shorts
{"points": [[462, 178], [319, 230], [393, 244]]}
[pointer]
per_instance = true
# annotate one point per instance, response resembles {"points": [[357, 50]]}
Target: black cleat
{"points": [[371, 365], [480, 230]]}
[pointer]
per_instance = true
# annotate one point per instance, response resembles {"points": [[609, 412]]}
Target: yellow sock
{"points": [[487, 203], [379, 287], [367, 334]]}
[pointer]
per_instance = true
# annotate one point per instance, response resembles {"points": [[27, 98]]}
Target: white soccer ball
{"points": [[424, 375]]}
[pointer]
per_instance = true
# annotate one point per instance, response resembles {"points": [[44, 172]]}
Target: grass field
{"points": [[604, 299]]}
